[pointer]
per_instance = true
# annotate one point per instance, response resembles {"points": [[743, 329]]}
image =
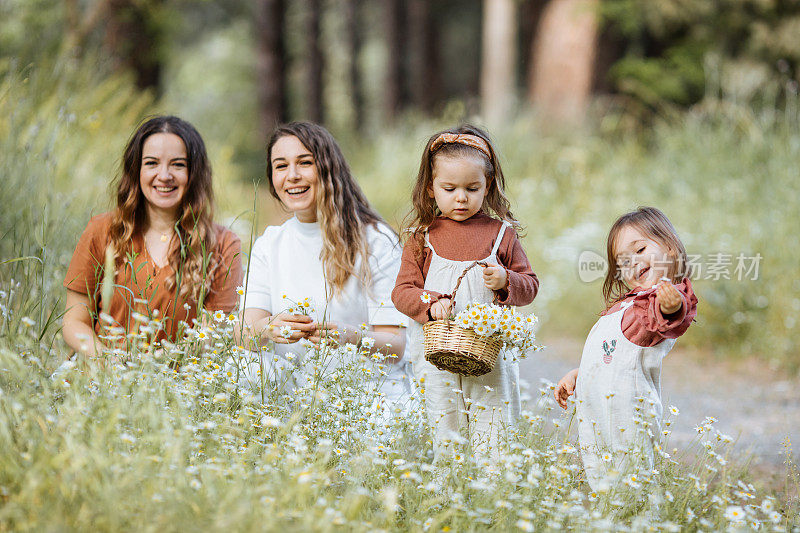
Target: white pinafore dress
{"points": [[618, 397], [478, 406]]}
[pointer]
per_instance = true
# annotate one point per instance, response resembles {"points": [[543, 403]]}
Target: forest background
{"points": [[595, 107]]}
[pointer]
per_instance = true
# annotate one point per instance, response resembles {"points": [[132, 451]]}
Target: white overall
{"points": [[618, 396], [481, 406]]}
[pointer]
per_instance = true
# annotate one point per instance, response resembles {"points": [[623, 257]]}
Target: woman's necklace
{"points": [[163, 237]]}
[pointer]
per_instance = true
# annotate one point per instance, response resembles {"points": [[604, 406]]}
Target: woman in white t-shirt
{"points": [[336, 253]]}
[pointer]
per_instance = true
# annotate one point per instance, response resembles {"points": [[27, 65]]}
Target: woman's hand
{"points": [[668, 297], [285, 328], [440, 310], [331, 331], [495, 277], [566, 388]]}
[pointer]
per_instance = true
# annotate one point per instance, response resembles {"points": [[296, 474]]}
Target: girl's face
{"points": [[294, 176], [642, 262], [164, 173], [458, 186]]}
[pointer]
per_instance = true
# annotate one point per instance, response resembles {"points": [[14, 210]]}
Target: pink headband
{"points": [[462, 138]]}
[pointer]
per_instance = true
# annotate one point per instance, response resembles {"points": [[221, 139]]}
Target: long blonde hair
{"points": [[424, 209], [343, 211], [192, 255], [654, 224]]}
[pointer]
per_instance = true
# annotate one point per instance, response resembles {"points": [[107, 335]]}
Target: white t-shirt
{"points": [[285, 267]]}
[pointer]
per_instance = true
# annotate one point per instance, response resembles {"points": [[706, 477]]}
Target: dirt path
{"points": [[753, 404]]}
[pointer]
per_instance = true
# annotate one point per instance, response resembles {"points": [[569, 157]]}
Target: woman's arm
{"points": [[78, 330]]}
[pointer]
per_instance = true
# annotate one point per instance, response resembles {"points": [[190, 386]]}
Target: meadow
{"points": [[145, 447]]}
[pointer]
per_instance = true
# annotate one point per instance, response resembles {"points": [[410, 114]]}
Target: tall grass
{"points": [[61, 128], [145, 447]]}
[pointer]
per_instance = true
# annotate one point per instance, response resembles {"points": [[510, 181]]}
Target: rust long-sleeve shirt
{"points": [[469, 240], [644, 324]]}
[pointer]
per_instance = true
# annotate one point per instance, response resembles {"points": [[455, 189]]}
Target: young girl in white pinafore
{"points": [[650, 303], [459, 187]]}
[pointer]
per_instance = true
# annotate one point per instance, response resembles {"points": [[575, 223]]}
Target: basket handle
{"points": [[452, 295]]}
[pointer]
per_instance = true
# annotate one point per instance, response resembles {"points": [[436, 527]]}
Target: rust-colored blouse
{"points": [[467, 240], [645, 325], [142, 288]]}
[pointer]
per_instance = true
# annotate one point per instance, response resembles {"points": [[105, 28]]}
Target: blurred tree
{"points": [[498, 60], [395, 96], [530, 12], [561, 72], [354, 39], [316, 106], [81, 23], [424, 61], [271, 67], [132, 38]]}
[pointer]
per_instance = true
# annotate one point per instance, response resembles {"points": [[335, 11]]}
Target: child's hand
{"points": [[566, 387], [495, 277], [668, 297], [440, 309]]}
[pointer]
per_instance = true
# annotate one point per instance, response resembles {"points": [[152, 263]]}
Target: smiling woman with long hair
{"points": [[335, 250], [168, 256]]}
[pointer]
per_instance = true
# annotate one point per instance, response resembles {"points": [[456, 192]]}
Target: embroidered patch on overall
{"points": [[608, 350]]}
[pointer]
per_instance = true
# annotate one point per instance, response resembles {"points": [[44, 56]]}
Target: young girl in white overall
{"points": [[618, 391], [459, 183]]}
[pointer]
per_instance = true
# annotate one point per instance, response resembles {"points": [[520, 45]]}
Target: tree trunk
{"points": [[530, 12], [354, 39], [561, 74], [424, 72], [498, 60], [271, 67], [393, 24], [315, 64], [132, 41]]}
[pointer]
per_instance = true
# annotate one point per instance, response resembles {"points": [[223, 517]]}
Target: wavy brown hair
{"points": [[191, 255], [653, 224], [343, 211], [424, 209]]}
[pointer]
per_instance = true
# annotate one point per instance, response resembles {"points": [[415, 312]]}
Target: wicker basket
{"points": [[459, 350]]}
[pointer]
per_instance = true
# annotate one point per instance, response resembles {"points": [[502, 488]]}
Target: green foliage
{"points": [[31, 29], [57, 124], [677, 51]]}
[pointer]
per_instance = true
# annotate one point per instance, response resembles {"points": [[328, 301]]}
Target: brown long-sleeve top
{"points": [[469, 240], [142, 287], [645, 325]]}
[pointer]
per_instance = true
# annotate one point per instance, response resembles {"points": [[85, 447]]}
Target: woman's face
{"points": [[165, 172], [294, 176]]}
